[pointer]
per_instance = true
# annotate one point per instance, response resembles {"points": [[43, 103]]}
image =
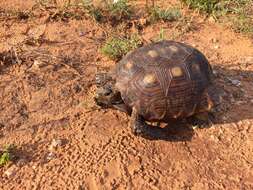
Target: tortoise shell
{"points": [[164, 80]]}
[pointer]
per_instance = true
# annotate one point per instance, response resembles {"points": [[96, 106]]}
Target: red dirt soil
{"points": [[51, 97]]}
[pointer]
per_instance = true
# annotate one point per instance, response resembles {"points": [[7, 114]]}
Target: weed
{"points": [[120, 9], [170, 14], [59, 11], [237, 12], [6, 155], [116, 47], [183, 26], [217, 7], [108, 10], [92, 10], [242, 24], [161, 35], [208, 6]]}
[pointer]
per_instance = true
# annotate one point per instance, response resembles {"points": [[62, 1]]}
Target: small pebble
{"points": [[51, 156], [216, 47], [81, 34], [55, 143], [215, 73], [235, 82]]}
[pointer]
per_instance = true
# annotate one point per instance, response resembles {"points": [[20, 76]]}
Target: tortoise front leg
{"points": [[141, 128], [137, 124]]}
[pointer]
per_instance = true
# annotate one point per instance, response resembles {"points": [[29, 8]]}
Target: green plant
{"points": [[116, 47], [170, 14], [161, 35], [120, 9], [6, 155], [92, 10], [208, 6], [108, 9], [242, 24], [236, 12], [217, 6]]}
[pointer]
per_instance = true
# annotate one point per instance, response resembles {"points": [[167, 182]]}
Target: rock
{"points": [[215, 73], [37, 64], [81, 34], [10, 172], [51, 156], [216, 47], [235, 82], [55, 143]]}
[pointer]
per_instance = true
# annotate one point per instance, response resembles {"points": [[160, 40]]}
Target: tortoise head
{"points": [[106, 95]]}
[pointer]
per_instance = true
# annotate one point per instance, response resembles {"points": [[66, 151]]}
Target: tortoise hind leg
{"points": [[141, 128], [204, 110], [203, 113], [210, 99]]}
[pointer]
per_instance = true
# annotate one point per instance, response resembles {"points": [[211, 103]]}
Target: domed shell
{"points": [[163, 80]]}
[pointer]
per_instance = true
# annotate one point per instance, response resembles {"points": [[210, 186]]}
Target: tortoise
{"points": [[159, 82]]}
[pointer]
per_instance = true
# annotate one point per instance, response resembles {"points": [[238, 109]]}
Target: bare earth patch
{"points": [[65, 142]]}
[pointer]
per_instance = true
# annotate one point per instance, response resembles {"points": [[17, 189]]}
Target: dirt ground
{"points": [[48, 96]]}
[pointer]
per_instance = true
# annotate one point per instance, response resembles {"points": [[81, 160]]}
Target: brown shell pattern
{"points": [[163, 80]]}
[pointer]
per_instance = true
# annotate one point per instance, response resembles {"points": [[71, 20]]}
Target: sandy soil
{"points": [[49, 94]]}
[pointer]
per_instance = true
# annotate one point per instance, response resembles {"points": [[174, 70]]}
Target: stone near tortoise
{"points": [[157, 83]]}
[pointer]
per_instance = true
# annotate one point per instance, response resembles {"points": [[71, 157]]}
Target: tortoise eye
{"points": [[107, 91]]}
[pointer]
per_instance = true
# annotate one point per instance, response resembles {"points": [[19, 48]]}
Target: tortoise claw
{"points": [[148, 132]]}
